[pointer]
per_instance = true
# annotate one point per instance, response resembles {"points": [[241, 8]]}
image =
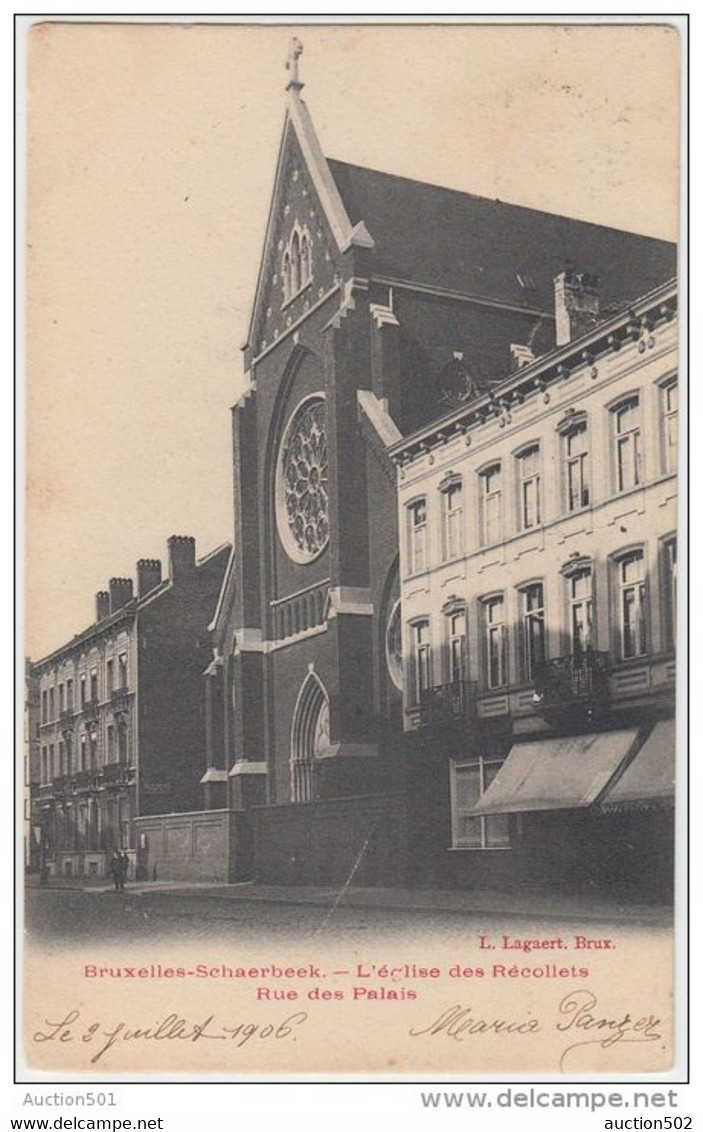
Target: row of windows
{"points": [[629, 606], [90, 825], [88, 689], [576, 489], [63, 758], [297, 263]]}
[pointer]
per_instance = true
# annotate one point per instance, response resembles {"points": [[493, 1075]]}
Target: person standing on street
{"points": [[116, 868]]}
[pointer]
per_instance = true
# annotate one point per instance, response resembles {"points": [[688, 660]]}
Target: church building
{"points": [[382, 304]]}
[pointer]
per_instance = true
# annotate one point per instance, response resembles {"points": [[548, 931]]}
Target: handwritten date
{"points": [[173, 1027]]}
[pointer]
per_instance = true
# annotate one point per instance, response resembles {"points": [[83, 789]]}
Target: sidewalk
{"points": [[538, 905]]}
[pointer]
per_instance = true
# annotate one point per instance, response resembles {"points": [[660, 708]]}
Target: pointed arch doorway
{"points": [[310, 737]]}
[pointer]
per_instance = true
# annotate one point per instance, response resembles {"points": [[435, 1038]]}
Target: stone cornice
{"points": [[641, 317]]}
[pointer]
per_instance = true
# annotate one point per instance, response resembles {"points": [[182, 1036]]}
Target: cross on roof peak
{"points": [[294, 53]]}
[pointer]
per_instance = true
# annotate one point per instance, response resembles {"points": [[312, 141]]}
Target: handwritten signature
{"points": [[173, 1027], [580, 1014], [577, 1014]]}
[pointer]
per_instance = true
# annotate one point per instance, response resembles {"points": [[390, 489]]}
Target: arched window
{"points": [[304, 261], [286, 277], [295, 264], [310, 737]]}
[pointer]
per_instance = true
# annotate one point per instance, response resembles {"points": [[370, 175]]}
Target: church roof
{"points": [[456, 241]]}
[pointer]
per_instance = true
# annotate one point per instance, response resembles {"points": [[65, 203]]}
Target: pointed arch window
{"points": [[310, 738], [304, 261], [287, 292], [295, 263]]}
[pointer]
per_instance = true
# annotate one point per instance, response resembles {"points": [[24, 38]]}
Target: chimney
{"points": [[181, 556], [520, 356], [148, 575], [575, 303], [120, 593], [102, 605]]}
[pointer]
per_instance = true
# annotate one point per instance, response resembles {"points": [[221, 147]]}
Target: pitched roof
{"points": [[453, 240]]}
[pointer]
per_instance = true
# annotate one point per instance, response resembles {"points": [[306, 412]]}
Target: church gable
{"points": [[301, 261], [308, 230]]}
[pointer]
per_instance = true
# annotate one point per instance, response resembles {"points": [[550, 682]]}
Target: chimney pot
{"points": [[120, 593], [576, 303], [181, 555], [102, 605], [148, 575]]}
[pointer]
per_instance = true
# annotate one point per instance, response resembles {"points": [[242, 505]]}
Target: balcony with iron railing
{"points": [[117, 774], [449, 704], [119, 698], [66, 718], [577, 682], [84, 780], [90, 709]]}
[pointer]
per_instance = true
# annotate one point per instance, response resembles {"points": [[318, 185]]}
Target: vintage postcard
{"points": [[352, 494]]}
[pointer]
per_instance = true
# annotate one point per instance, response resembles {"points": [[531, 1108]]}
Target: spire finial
{"points": [[296, 50]]}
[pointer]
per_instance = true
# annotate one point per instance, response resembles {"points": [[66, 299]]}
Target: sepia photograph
{"points": [[351, 742]]}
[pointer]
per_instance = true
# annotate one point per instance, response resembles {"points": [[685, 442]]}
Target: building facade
{"points": [[31, 768], [538, 595], [120, 721], [381, 303]]}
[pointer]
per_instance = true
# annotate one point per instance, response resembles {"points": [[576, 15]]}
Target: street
{"points": [[74, 916]]}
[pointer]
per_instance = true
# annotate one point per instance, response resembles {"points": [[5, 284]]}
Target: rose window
{"points": [[303, 515]]}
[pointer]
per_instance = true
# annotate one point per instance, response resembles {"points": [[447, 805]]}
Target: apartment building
{"points": [[121, 727], [538, 550]]}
